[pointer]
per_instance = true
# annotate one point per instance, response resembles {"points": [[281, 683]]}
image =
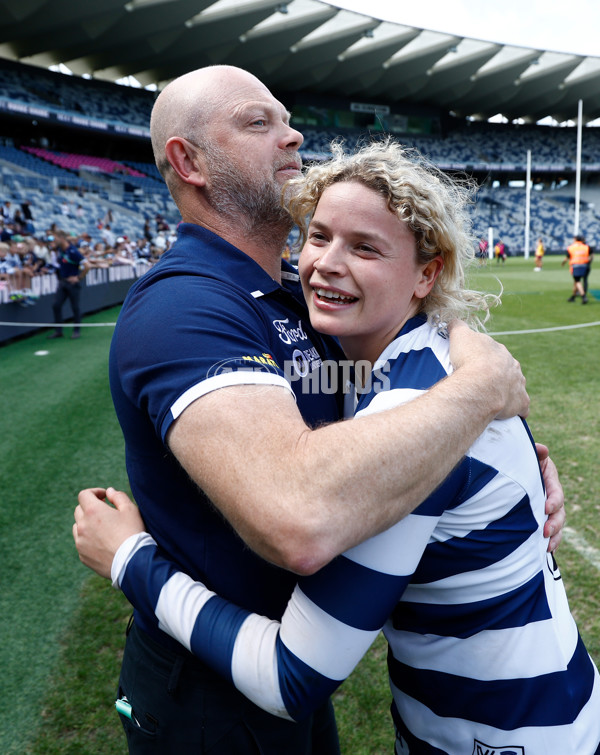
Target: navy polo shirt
{"points": [[69, 261], [204, 317]]}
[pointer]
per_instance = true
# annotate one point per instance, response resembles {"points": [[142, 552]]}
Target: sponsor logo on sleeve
{"points": [[243, 370], [260, 359], [249, 363]]}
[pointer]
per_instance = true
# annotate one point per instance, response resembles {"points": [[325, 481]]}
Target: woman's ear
{"points": [[429, 274], [183, 156]]}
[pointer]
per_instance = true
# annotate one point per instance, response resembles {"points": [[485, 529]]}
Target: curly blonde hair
{"points": [[433, 205]]}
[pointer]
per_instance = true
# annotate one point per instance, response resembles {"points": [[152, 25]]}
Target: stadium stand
{"points": [[97, 184], [497, 158], [60, 94], [135, 190], [72, 161], [486, 146], [78, 151]]}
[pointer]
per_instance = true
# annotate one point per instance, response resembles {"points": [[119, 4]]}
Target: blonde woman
{"points": [[483, 651]]}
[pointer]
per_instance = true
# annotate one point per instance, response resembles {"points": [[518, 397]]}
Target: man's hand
{"points": [[555, 499], [487, 358], [100, 529]]}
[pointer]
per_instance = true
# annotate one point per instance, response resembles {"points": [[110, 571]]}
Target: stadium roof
{"points": [[301, 45]]}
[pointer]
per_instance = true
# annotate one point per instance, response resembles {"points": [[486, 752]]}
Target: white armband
{"points": [[123, 555]]}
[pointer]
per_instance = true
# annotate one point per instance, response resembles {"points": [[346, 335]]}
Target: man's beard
{"points": [[254, 205]]}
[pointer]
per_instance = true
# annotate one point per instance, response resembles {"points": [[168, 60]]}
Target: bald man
{"points": [[226, 446]]}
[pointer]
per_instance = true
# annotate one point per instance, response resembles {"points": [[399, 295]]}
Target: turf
{"points": [[59, 434], [62, 630]]}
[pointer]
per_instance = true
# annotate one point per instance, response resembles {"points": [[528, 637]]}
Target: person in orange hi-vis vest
{"points": [[580, 256]]}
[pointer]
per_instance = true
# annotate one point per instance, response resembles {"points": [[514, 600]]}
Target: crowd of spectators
{"points": [[27, 252]]}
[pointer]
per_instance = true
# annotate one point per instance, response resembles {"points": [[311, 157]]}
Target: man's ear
{"points": [[183, 158], [428, 277]]}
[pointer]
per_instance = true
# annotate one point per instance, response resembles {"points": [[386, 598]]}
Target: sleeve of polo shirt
{"points": [[188, 336]]}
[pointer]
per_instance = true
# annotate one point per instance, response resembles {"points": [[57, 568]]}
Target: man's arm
{"points": [[100, 530], [300, 497]]}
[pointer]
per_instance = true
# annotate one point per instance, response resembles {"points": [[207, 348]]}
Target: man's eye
{"points": [[260, 122]]}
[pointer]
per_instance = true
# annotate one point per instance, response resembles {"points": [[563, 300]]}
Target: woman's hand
{"points": [[100, 528]]}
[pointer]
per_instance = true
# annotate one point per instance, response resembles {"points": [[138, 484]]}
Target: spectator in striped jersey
{"points": [[484, 653]]}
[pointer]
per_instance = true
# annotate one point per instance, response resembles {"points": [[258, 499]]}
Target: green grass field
{"points": [[62, 628]]}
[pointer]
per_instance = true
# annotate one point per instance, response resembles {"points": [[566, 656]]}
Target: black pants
{"points": [[180, 707], [72, 292]]}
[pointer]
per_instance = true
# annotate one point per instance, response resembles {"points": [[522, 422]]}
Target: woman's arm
{"points": [[287, 668]]}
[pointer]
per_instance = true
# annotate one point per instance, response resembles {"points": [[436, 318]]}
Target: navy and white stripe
{"points": [[483, 649]]}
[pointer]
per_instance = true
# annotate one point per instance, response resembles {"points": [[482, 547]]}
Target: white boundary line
{"points": [[543, 330], [591, 554], [112, 325], [59, 325], [588, 552]]}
